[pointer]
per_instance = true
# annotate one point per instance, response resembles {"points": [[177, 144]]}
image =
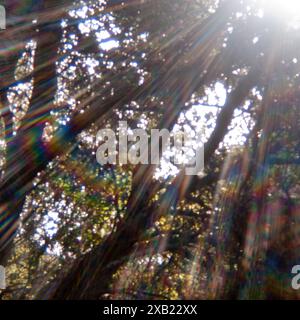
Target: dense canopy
{"points": [[71, 228]]}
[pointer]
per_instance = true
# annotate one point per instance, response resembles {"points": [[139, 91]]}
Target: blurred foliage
{"points": [[228, 237]]}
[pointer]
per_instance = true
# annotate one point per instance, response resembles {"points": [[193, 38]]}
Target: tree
{"points": [[94, 63]]}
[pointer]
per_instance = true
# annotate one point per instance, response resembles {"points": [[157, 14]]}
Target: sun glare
{"points": [[284, 7], [288, 10], [287, 5]]}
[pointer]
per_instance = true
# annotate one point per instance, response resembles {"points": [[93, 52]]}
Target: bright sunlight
{"points": [[286, 9]]}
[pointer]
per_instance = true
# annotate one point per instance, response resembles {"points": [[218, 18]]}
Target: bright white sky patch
{"points": [[288, 10], [285, 6], [203, 117], [108, 45]]}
